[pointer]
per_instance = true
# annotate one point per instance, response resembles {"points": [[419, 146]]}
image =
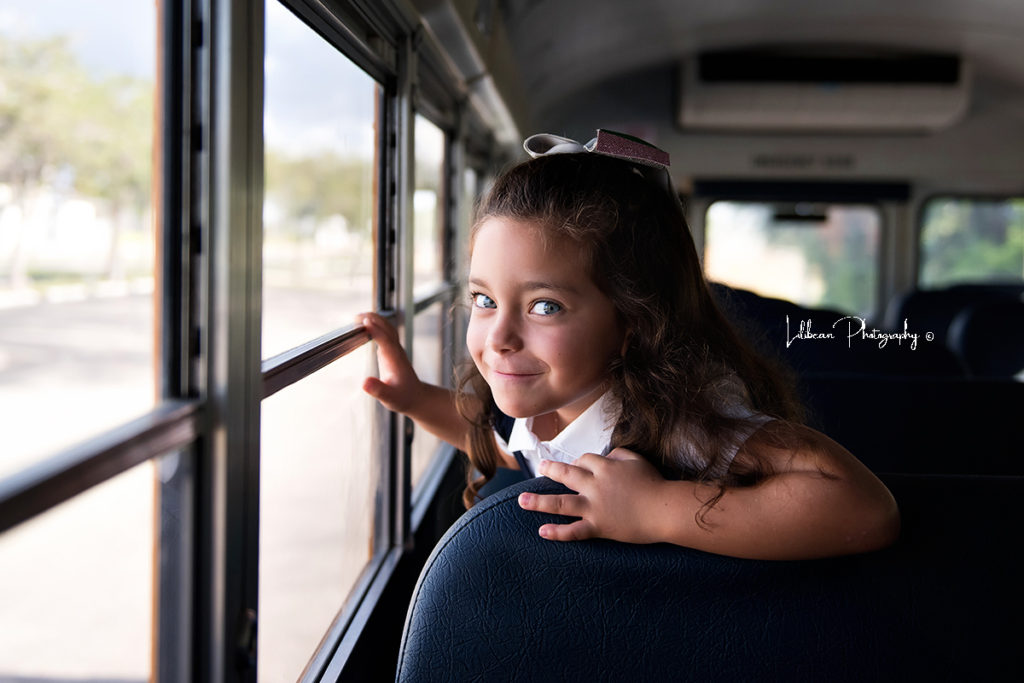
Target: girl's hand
{"points": [[398, 387], [615, 493], [400, 390]]}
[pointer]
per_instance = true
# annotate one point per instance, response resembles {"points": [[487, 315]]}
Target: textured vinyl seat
{"points": [[495, 602]]}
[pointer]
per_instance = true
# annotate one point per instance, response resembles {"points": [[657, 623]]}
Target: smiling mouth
{"points": [[515, 375]]}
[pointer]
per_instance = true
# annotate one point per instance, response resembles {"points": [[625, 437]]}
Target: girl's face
{"points": [[540, 331]]}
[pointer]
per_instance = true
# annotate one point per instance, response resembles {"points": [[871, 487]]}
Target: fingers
{"points": [[589, 461], [624, 454], [570, 475], [568, 504], [389, 346], [378, 390], [577, 531], [398, 385], [380, 329]]}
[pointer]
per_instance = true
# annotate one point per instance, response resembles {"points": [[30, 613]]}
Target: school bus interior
{"points": [[856, 125], [196, 199]]}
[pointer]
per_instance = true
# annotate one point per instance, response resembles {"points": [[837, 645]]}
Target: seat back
{"points": [[934, 309], [496, 602], [773, 325], [921, 425], [989, 337]]}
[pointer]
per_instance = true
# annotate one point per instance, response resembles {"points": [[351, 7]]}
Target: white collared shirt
{"points": [[591, 432]]}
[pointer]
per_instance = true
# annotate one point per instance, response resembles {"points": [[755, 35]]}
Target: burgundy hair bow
{"points": [[607, 142]]}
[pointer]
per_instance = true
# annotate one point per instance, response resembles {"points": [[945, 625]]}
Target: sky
{"points": [[126, 45], [315, 99]]}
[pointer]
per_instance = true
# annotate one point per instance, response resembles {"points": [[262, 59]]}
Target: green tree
{"points": [[31, 137], [319, 186], [112, 153], [966, 240], [58, 121]]}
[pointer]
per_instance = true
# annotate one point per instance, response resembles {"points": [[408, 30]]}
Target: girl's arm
{"points": [[399, 389], [821, 502]]}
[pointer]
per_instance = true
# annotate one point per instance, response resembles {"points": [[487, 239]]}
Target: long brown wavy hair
{"points": [[677, 379]]}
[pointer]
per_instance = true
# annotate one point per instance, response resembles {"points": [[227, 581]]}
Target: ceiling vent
{"points": [[772, 90]]}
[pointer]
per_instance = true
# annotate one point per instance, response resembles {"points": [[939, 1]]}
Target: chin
{"points": [[514, 408]]}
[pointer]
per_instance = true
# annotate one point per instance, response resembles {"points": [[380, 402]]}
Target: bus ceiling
{"points": [[725, 86]]}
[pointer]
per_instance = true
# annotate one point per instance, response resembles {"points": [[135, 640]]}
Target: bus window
{"points": [[971, 240], [427, 359], [428, 203], [77, 589], [77, 320], [431, 289], [76, 224], [317, 487], [816, 255], [319, 195], [318, 462]]}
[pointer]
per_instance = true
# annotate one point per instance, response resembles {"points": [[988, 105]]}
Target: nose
{"points": [[504, 335]]}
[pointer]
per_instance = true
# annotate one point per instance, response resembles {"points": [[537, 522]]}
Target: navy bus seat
{"points": [[865, 356], [919, 425], [495, 602], [763, 318], [763, 322], [503, 477], [989, 337], [934, 309]]}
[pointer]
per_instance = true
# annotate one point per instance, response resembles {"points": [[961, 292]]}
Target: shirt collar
{"points": [[591, 432]]}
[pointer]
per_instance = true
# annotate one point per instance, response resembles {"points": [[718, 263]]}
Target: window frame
{"points": [[444, 292]]}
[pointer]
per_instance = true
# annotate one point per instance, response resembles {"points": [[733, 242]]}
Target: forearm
{"points": [[790, 516], [435, 411], [820, 502]]}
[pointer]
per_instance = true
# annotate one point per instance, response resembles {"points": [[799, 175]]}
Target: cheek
{"points": [[475, 336], [560, 345], [564, 350], [596, 346]]}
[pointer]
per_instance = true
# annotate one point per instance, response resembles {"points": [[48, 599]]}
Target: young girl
{"points": [[593, 333]]}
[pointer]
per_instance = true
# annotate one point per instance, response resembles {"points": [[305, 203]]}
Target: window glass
{"points": [[428, 206], [972, 240], [817, 255], [319, 208], [318, 478], [77, 588], [427, 340], [76, 222]]}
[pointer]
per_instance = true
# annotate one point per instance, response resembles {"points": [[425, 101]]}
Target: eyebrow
{"points": [[531, 285]]}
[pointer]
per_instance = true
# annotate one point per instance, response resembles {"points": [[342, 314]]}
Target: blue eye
{"points": [[483, 301], [546, 308]]}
